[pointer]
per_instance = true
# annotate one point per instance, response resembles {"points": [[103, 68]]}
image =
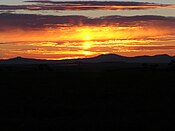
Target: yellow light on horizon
{"points": [[85, 41], [87, 36], [87, 45], [87, 53]]}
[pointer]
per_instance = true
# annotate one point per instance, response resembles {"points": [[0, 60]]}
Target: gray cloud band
{"points": [[82, 5], [24, 21]]}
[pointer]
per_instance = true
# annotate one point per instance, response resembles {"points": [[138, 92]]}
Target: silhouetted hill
{"points": [[108, 58], [152, 59], [163, 58], [21, 60]]}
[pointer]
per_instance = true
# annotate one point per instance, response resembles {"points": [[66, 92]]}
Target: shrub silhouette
{"points": [[144, 65], [171, 66], [150, 67], [153, 67], [44, 67]]}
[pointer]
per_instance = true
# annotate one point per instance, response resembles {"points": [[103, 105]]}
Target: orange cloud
{"points": [[51, 37]]}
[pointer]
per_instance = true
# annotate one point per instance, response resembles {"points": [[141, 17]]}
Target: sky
{"points": [[49, 30], [155, 1]]}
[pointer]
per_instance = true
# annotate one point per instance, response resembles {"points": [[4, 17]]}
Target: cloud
{"points": [[34, 22], [80, 28], [37, 21], [60, 37], [85, 5]]}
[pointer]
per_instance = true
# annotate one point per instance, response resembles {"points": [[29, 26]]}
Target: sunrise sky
{"points": [[64, 30]]}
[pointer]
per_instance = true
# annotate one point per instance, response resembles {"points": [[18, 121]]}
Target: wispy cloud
{"points": [[59, 37], [85, 5], [39, 21], [77, 29]]}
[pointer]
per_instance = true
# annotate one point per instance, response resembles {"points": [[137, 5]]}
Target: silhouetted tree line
{"points": [[151, 67], [44, 67], [154, 67], [171, 66]]}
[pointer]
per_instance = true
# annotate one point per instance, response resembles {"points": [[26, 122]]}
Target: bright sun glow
{"points": [[85, 41], [87, 44], [87, 37]]}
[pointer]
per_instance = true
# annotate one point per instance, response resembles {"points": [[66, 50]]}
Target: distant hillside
{"points": [[138, 59], [98, 59]]}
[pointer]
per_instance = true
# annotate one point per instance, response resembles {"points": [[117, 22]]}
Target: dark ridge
{"points": [[162, 58]]}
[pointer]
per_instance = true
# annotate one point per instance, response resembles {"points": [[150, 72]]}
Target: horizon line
{"points": [[62, 59]]}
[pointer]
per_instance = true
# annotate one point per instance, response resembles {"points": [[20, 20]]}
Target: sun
{"points": [[86, 53], [86, 33], [87, 36], [87, 45]]}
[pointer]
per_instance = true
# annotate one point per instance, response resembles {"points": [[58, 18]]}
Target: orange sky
{"points": [[67, 37], [86, 41]]}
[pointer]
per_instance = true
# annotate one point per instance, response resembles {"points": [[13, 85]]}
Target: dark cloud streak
{"points": [[38, 21], [84, 5]]}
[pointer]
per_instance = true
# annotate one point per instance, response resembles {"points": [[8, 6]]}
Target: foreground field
{"points": [[104, 96]]}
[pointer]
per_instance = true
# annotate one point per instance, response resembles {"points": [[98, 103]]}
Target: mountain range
{"points": [[109, 58]]}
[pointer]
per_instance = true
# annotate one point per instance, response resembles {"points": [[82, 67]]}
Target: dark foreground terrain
{"points": [[86, 97]]}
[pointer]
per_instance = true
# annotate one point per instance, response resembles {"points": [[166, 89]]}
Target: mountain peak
{"points": [[18, 58], [162, 58], [109, 56], [163, 55], [22, 59]]}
